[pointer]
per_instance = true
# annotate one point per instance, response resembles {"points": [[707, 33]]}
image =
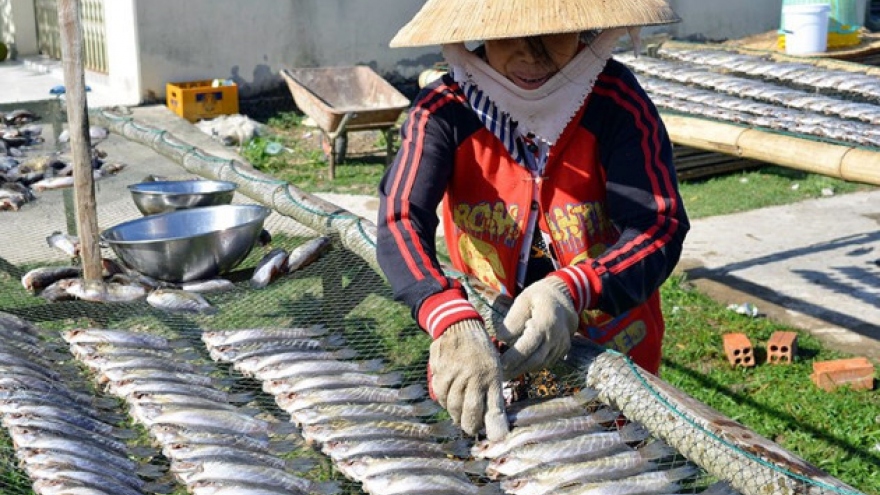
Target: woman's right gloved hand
{"points": [[465, 374]]}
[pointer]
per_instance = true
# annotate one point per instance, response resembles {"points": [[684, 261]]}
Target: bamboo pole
{"points": [[78, 125], [844, 162]]}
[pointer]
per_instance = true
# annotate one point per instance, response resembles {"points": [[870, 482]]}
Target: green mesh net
{"points": [[61, 391]]}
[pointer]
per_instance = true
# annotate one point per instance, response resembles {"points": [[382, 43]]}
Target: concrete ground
{"points": [[814, 265]]}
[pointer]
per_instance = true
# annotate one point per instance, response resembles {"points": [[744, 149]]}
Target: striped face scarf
{"points": [[545, 111]]}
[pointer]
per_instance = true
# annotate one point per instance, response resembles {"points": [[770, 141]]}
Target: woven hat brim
{"points": [[455, 21]]}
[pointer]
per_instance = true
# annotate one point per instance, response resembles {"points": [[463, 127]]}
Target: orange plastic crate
{"points": [[198, 100]]}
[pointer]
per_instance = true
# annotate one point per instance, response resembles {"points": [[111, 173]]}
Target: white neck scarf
{"points": [[547, 110]]}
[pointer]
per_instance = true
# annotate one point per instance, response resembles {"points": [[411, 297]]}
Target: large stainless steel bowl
{"points": [[164, 196], [185, 245]]}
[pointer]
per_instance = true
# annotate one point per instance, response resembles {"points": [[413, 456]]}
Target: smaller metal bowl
{"points": [[195, 244], [164, 196]]}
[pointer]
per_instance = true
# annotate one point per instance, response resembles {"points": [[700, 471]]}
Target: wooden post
{"points": [[78, 124]]}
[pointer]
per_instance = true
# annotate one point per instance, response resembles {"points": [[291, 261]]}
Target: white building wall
{"points": [[123, 53], [725, 19], [251, 41], [18, 27]]}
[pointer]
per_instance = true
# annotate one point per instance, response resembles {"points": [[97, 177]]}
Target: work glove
{"points": [[466, 379], [538, 328]]}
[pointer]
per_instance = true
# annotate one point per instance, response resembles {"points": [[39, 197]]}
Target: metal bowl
{"points": [[186, 245], [164, 196]]}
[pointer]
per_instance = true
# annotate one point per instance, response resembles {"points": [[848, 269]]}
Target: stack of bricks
{"points": [[782, 348], [857, 373], [739, 350]]}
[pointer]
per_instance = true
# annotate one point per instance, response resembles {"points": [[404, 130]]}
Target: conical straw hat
{"points": [[453, 21]]}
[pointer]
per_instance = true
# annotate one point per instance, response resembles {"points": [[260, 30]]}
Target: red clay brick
{"points": [[782, 348], [738, 348], [858, 373]]}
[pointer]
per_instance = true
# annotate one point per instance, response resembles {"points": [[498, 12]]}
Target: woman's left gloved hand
{"points": [[538, 328]]}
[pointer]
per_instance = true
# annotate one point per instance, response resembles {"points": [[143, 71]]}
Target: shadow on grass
{"points": [[746, 401]]}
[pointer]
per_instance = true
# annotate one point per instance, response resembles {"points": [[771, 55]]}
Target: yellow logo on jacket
{"points": [[482, 260]]}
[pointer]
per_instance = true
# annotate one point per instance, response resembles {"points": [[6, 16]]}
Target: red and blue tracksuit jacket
{"points": [[608, 197]]}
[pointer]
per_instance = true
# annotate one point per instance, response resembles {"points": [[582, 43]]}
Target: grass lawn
{"points": [[838, 432]]}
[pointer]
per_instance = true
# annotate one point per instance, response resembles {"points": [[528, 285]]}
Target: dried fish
{"points": [[550, 430], [307, 253], [269, 268], [175, 300]]}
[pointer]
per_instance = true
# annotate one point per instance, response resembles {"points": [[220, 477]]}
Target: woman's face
{"points": [[521, 59]]}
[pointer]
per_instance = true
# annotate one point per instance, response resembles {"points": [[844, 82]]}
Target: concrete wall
{"points": [[251, 41], [725, 19], [18, 27]]}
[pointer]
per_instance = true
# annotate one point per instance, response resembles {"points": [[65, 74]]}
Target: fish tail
{"points": [[327, 488], [427, 408], [633, 432], [656, 450], [390, 379], [346, 353], [372, 365], [279, 428], [475, 466], [300, 464], [459, 448], [586, 394], [241, 397], [416, 391], [681, 473], [334, 340], [445, 429]]}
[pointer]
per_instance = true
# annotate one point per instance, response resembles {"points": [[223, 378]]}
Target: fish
{"points": [[188, 457], [176, 300], [333, 380], [306, 254], [234, 353], [539, 432], [20, 116], [68, 244], [524, 413], [232, 473], [365, 412], [219, 421], [255, 364], [115, 337], [39, 278], [296, 401], [211, 285], [341, 451], [215, 338], [99, 291], [544, 480], [269, 268], [400, 483], [365, 430], [361, 468], [318, 367], [583, 447], [663, 481]]}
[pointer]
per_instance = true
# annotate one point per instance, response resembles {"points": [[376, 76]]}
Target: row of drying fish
{"points": [[754, 89], [571, 446], [62, 440], [376, 431], [685, 99], [858, 84], [119, 284], [382, 435], [215, 446]]}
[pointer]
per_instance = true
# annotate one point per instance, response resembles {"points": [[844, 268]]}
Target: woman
{"points": [[558, 188]]}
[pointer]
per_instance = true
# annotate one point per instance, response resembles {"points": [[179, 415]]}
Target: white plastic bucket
{"points": [[806, 28]]}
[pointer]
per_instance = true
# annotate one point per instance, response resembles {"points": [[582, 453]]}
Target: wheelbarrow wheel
{"points": [[340, 146]]}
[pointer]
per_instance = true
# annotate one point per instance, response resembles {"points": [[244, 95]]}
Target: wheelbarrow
{"points": [[346, 99]]}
